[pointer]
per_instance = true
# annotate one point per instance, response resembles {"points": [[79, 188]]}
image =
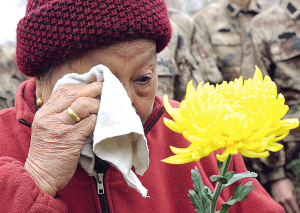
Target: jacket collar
{"points": [[233, 9], [157, 111], [291, 8], [25, 101]]}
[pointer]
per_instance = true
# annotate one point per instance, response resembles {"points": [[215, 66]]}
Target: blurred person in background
{"points": [[199, 49], [176, 67], [10, 78], [185, 58], [224, 26], [276, 38]]}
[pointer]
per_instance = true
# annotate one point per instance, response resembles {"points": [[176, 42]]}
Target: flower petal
{"points": [[177, 151], [180, 159], [222, 157], [257, 75], [173, 125], [174, 113], [250, 154], [274, 147]]}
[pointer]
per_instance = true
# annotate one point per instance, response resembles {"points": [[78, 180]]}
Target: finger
{"points": [[65, 95], [82, 107], [86, 126], [75, 117], [293, 204], [287, 207]]}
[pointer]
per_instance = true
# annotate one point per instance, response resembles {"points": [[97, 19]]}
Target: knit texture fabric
{"points": [[53, 31]]}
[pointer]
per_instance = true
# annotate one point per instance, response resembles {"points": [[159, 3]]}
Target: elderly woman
{"points": [[42, 138]]}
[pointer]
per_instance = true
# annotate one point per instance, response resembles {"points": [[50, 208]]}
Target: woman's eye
{"points": [[144, 79]]}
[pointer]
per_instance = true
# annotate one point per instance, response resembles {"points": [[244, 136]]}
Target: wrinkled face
{"points": [[132, 62]]}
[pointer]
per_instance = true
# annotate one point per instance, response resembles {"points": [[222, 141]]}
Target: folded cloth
{"points": [[118, 137]]}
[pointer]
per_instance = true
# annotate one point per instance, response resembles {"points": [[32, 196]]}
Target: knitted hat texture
{"points": [[53, 31]]}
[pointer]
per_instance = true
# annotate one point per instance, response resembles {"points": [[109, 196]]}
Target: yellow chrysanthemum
{"points": [[243, 116]]}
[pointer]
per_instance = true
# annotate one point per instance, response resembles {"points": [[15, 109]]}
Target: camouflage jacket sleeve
{"points": [[260, 47], [203, 32], [176, 67], [188, 69], [202, 52]]}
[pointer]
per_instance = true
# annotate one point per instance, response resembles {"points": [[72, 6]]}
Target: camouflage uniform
{"points": [[176, 67], [11, 77], [198, 47], [224, 25], [276, 37]]}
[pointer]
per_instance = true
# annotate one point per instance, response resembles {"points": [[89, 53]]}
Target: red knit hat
{"points": [[53, 31]]}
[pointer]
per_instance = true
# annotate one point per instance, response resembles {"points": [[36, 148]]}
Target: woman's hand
{"points": [[57, 139]]}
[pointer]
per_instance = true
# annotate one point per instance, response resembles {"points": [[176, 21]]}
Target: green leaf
{"points": [[221, 179], [229, 175], [239, 176], [208, 192], [240, 193], [196, 201], [219, 164], [198, 197]]}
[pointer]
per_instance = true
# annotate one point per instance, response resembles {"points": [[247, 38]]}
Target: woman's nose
{"points": [[131, 94]]}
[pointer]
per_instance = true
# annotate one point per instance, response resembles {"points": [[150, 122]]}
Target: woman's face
{"points": [[132, 62]]}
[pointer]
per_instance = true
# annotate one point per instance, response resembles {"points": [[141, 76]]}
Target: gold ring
{"points": [[73, 115]]}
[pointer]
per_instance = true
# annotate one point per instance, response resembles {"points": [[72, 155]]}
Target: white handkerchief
{"points": [[118, 136]]}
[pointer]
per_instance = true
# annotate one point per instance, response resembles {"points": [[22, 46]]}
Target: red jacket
{"points": [[167, 185]]}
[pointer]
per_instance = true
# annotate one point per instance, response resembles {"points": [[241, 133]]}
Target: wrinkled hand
{"points": [[282, 192], [57, 139]]}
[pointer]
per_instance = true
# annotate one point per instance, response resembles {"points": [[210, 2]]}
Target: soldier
{"points": [[276, 37], [11, 77], [199, 49], [224, 25], [176, 67]]}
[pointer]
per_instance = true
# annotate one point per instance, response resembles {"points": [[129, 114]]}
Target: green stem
{"points": [[218, 187]]}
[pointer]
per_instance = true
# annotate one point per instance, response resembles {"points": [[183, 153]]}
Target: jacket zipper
{"points": [[101, 193], [154, 121], [100, 167], [100, 185]]}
